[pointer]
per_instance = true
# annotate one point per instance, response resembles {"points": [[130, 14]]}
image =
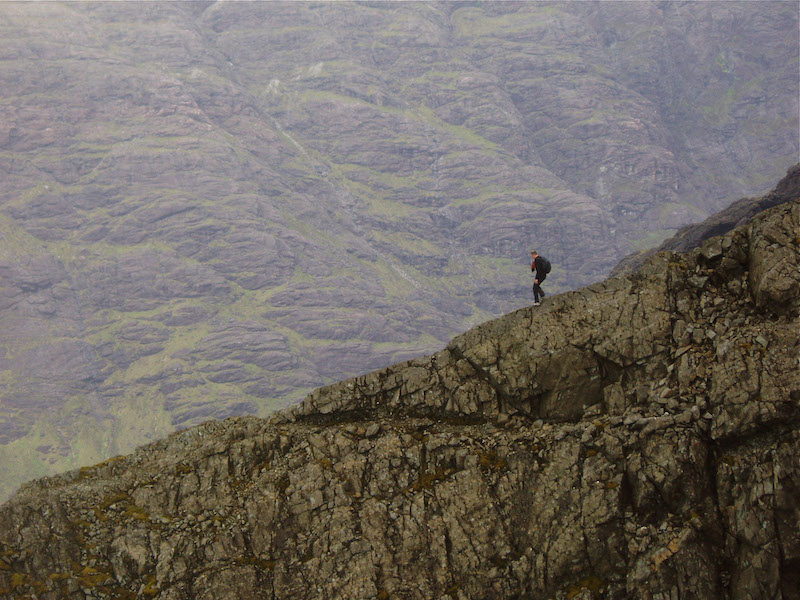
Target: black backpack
{"points": [[546, 266]]}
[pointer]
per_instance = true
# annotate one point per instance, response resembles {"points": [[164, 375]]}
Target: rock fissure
{"points": [[485, 375], [770, 431], [582, 519]]}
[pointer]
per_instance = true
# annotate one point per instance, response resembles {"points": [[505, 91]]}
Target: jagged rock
{"points": [[582, 449]]}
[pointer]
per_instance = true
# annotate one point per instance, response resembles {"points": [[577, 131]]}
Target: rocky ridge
{"points": [[637, 438]]}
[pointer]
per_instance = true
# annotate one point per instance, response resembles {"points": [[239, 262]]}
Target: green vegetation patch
{"points": [[652, 239], [595, 585], [492, 462], [430, 478], [473, 21], [120, 504]]}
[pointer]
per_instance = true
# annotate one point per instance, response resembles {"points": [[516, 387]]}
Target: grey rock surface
{"points": [[637, 438]]}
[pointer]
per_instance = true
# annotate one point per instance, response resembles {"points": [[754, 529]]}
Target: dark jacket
{"points": [[538, 266]]}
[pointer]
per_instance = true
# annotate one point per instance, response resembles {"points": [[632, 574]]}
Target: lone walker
{"points": [[541, 266]]}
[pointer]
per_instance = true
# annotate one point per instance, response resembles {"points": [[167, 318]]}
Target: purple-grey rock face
{"points": [[637, 438], [210, 209]]}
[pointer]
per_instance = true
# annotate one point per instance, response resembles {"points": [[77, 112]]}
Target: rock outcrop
{"points": [[637, 438]]}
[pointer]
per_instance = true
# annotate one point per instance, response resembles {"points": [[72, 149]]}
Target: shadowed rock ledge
{"points": [[637, 438]]}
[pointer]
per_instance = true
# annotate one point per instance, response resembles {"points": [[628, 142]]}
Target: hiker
{"points": [[541, 266]]}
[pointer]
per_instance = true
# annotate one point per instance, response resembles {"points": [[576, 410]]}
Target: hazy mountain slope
{"points": [[209, 209], [633, 439], [737, 214]]}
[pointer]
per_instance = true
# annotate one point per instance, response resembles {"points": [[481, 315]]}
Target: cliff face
{"points": [[209, 209], [637, 438]]}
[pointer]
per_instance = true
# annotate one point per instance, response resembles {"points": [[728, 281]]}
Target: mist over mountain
{"points": [[209, 209]]}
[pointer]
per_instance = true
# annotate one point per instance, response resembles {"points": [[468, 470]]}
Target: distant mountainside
{"points": [[737, 214], [636, 438], [210, 209]]}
